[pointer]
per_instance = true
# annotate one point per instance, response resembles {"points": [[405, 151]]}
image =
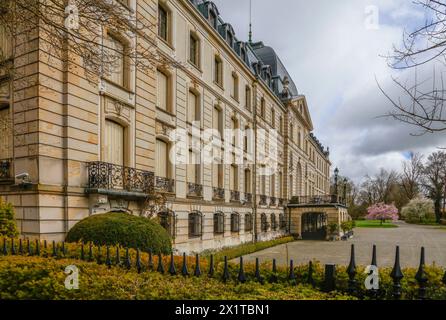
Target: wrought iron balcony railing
{"points": [[102, 175], [316, 200], [273, 201], [248, 197], [235, 196], [281, 202], [164, 185], [194, 190], [263, 200], [5, 169], [219, 194]]}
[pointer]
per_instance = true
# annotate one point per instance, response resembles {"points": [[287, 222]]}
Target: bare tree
{"points": [[73, 29], [434, 175], [411, 175], [422, 104]]}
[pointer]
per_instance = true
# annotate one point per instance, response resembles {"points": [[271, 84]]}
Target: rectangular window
{"points": [[273, 186], [194, 50], [195, 223], [163, 23], [219, 223], [193, 112], [5, 44], [273, 118], [163, 91], [248, 98], [248, 222], [213, 19], [193, 168], [161, 159], [116, 55], [218, 71], [262, 108], [217, 120], [234, 178], [247, 181], [6, 133], [234, 87]]}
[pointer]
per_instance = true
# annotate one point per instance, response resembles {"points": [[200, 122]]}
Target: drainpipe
{"points": [[254, 171]]}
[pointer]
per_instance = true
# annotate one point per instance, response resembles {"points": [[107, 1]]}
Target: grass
{"points": [[245, 249], [374, 224]]}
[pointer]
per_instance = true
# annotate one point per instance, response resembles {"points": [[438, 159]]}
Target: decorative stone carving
{"points": [[118, 109]]}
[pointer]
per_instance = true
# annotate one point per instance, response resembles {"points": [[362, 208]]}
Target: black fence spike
{"points": [[127, 262], [138, 261], [197, 271], [226, 275], [108, 262], [118, 257], [54, 254], [211, 267], [351, 271], [172, 270], [374, 259], [273, 278], [292, 275], [99, 256], [184, 270], [82, 252], [5, 247], [90, 252], [13, 251], [63, 251], [37, 247], [45, 247], [257, 273], [310, 278], [28, 247], [241, 272], [21, 247], [330, 278], [160, 268], [150, 265], [397, 275], [444, 278], [421, 277]]}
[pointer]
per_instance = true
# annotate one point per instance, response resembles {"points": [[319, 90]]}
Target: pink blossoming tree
{"points": [[383, 212]]}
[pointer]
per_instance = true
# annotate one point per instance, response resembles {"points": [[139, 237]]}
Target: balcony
{"points": [[235, 196], [164, 185], [194, 190], [263, 200], [281, 202], [248, 197], [273, 201], [318, 200], [218, 194], [103, 177], [6, 171]]}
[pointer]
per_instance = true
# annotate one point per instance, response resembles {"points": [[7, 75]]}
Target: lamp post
{"points": [[336, 172], [345, 190]]}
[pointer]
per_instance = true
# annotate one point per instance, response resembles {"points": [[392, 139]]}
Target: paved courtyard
{"points": [[410, 238]]}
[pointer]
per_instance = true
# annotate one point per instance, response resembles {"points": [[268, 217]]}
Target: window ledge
{"points": [[167, 43], [219, 85], [195, 66]]}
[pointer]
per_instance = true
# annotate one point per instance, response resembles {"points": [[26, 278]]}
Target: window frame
{"points": [[167, 38], [249, 226], [195, 218], [193, 37], [169, 217], [219, 223], [218, 71], [235, 222]]}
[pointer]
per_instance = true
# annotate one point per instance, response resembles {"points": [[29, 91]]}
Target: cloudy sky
{"points": [[334, 52]]}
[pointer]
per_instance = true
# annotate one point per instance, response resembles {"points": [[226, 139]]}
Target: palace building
{"points": [[76, 148]]}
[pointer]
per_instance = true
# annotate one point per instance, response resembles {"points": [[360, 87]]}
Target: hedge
{"points": [[39, 278], [124, 229]]}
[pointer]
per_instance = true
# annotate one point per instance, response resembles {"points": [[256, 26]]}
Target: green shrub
{"points": [[8, 227], [123, 229], [37, 278]]}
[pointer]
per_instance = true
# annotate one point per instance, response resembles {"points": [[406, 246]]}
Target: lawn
{"points": [[374, 224]]}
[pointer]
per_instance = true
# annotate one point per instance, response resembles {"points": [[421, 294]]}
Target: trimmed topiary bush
{"points": [[122, 229]]}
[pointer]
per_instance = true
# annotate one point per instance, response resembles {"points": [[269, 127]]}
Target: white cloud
{"points": [[334, 59]]}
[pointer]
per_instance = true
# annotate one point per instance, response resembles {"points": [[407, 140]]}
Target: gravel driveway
{"points": [[410, 238]]}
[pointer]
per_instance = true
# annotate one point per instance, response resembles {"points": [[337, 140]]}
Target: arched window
{"points": [[195, 224], [235, 222], [248, 222], [273, 222], [114, 143], [263, 223], [282, 221], [219, 223], [168, 221]]}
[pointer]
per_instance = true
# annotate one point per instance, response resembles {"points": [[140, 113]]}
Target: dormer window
{"points": [[243, 54], [213, 19], [230, 38]]}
